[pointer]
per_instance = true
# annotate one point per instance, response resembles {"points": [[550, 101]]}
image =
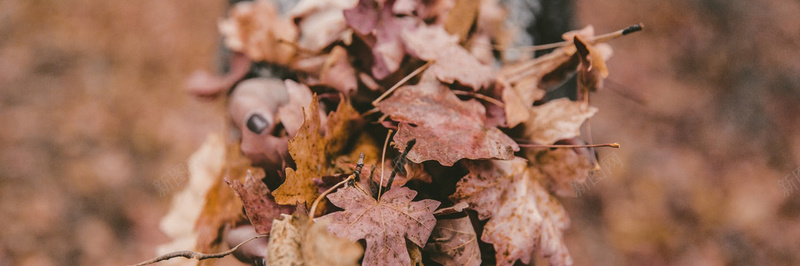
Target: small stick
{"points": [[400, 163], [480, 96], [321, 196], [611, 145], [401, 82], [196, 255], [383, 161], [596, 39]]}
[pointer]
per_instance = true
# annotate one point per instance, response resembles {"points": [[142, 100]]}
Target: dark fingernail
{"points": [[257, 123]]}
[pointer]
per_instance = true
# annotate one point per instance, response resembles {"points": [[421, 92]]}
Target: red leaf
{"points": [[259, 206], [384, 224], [446, 128]]}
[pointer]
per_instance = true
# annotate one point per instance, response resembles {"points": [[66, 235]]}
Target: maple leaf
{"points": [[294, 240], [310, 150], [259, 206], [255, 29], [384, 224], [446, 128], [522, 215], [454, 242], [451, 61]]}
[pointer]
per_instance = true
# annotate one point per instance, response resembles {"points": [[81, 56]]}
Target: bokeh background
{"points": [[93, 113]]}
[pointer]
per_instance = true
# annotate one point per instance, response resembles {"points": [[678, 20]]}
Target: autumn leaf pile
{"points": [[465, 179]]}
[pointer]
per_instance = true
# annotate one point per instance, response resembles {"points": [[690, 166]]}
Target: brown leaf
{"points": [[461, 18], [562, 166], [380, 29], [294, 240], [205, 167], [320, 22], [384, 225], [337, 72], [556, 120], [255, 29], [528, 80], [454, 242], [446, 128], [259, 205], [522, 214], [593, 69], [310, 150], [451, 61]]}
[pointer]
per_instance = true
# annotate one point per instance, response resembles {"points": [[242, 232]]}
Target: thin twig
{"points": [[596, 39], [321, 196], [401, 82], [383, 161], [480, 96], [611, 145], [196, 255]]}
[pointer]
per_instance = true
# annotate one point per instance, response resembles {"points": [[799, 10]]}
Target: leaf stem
{"points": [[611, 145]]}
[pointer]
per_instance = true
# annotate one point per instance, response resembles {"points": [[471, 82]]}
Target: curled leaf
{"points": [[556, 120], [454, 242]]}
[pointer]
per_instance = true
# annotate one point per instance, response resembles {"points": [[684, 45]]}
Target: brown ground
{"points": [[93, 112]]}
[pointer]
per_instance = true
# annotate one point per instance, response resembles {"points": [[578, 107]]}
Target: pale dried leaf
{"points": [[454, 242], [556, 120], [523, 215], [255, 29], [451, 61]]}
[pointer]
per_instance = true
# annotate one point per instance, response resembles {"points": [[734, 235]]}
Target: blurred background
{"points": [[94, 115]]}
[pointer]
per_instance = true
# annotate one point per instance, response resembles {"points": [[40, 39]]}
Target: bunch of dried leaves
{"points": [[473, 155]]}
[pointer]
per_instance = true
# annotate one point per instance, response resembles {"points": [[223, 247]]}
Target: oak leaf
{"points": [[522, 215], [259, 206], [384, 224], [454, 242], [446, 128], [556, 120]]}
